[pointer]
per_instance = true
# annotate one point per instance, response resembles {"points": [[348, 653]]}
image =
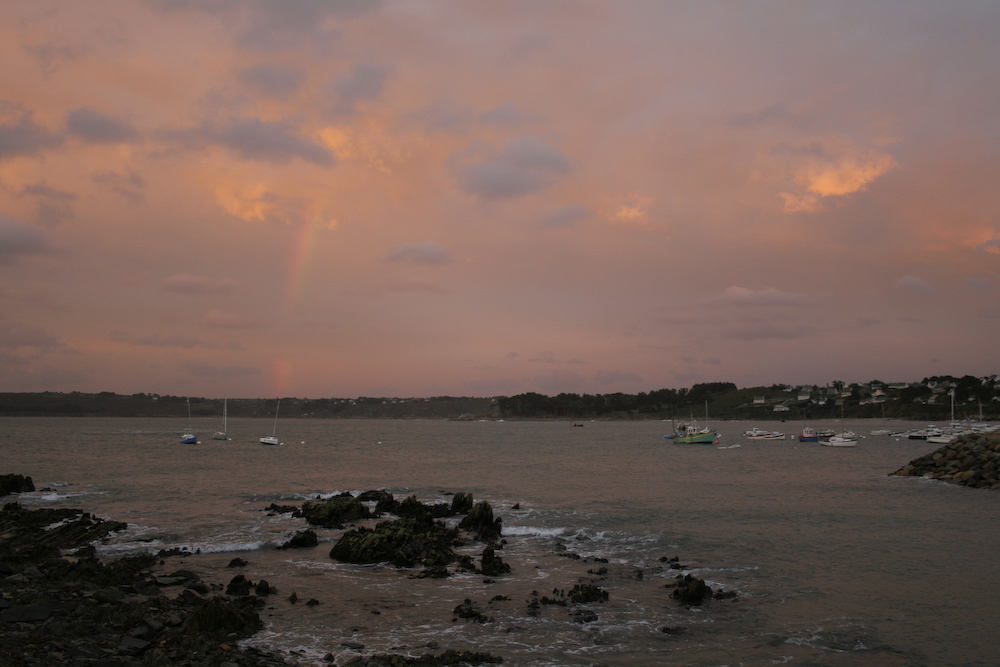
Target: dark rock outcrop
{"points": [[303, 539], [403, 542], [969, 460], [691, 590], [79, 610], [492, 565], [36, 534], [333, 513], [480, 521], [15, 484]]}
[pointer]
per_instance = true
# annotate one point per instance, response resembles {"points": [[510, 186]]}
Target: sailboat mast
{"points": [[275, 429]]}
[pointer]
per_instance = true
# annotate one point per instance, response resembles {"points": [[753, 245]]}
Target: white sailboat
{"points": [[189, 438], [272, 439], [223, 434], [844, 438]]}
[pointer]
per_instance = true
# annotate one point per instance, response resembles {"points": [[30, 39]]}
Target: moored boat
{"points": [[189, 438], [839, 441], [808, 435], [691, 434], [273, 438], [760, 434]]}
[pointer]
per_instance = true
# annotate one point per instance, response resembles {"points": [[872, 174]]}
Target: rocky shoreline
{"points": [[61, 605], [970, 460]]}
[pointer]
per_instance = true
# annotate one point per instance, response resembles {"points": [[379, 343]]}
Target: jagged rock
{"points": [[375, 495], [403, 542], [492, 565], [461, 503], [237, 562], [468, 611], [691, 590], [480, 520], [585, 593], [239, 586], [333, 513], [263, 588], [303, 539], [15, 484]]}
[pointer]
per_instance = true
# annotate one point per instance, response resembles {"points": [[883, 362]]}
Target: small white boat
{"points": [[839, 441], [222, 435], [881, 431], [272, 439], [760, 434]]}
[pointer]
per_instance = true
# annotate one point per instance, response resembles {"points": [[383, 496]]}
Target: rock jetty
{"points": [[970, 460]]}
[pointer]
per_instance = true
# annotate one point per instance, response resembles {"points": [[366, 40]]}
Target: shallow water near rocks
{"points": [[833, 562]]}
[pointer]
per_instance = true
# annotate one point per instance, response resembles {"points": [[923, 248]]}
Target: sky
{"points": [[352, 198]]}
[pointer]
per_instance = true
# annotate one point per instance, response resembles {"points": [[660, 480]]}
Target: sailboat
{"points": [[189, 437], [222, 435], [842, 439], [272, 439]]}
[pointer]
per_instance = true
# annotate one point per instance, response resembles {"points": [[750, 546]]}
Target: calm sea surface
{"points": [[834, 563]]}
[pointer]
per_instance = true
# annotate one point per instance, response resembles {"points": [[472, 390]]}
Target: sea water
{"points": [[833, 561]]}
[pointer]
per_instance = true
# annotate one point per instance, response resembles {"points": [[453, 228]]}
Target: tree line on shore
{"points": [[928, 400]]}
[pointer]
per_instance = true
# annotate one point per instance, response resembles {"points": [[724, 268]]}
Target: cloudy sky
{"points": [[415, 198]]}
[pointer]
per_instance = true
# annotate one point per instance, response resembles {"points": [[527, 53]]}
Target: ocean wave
{"points": [[532, 531]]}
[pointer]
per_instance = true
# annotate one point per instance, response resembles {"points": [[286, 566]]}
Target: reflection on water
{"points": [[834, 563]]}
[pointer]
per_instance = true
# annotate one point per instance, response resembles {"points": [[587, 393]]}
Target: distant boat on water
{"points": [[189, 438], [272, 439], [223, 434], [808, 435]]}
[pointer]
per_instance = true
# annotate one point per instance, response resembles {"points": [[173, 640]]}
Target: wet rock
{"points": [[333, 513], [461, 503], [403, 542], [303, 539], [15, 484], [586, 593], [215, 617], [691, 590], [239, 586], [237, 562], [467, 610], [263, 588], [480, 520], [445, 659], [492, 565]]}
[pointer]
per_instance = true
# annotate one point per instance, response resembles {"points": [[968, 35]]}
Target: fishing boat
{"points": [[189, 438], [808, 435], [222, 435], [692, 434], [272, 439]]}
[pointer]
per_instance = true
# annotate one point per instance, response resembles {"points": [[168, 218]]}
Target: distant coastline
{"points": [[928, 400]]}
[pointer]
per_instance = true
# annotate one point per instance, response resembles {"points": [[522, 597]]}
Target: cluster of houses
{"points": [[930, 392]]}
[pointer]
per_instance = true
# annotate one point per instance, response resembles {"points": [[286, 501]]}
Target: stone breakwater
{"points": [[970, 460]]}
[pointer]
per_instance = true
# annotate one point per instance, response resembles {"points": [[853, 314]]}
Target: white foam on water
{"points": [[532, 531]]}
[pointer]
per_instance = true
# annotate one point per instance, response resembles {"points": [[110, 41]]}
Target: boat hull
{"points": [[269, 440], [709, 438], [220, 436], [188, 439]]}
